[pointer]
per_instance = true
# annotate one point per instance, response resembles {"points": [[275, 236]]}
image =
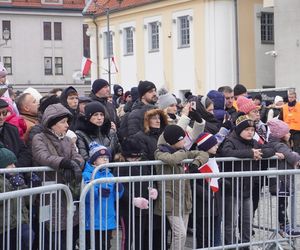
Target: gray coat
{"points": [[49, 150]]}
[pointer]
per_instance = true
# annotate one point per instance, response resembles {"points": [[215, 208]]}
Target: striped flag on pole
{"points": [[211, 167], [85, 66]]}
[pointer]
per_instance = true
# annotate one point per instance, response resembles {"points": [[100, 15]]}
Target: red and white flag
{"points": [[85, 66], [211, 167], [114, 62]]}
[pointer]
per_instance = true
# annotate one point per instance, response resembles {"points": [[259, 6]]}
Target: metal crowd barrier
{"points": [[219, 220], [30, 216]]}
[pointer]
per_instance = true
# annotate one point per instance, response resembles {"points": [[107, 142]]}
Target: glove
{"points": [[65, 164], [68, 175], [194, 168], [227, 124], [17, 180], [105, 192], [196, 116], [140, 202], [153, 193]]}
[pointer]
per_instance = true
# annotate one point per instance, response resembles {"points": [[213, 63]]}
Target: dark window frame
{"points": [[6, 24], [267, 27], [57, 31], [47, 31], [48, 71]]}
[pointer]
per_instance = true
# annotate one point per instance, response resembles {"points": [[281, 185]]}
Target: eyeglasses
{"points": [[4, 112]]}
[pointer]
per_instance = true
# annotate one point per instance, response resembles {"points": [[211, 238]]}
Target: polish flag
{"points": [[85, 66], [114, 62], [211, 167]]}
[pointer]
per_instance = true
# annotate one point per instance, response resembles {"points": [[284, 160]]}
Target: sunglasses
{"points": [[4, 112]]}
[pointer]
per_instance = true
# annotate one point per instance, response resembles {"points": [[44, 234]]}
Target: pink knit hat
{"points": [[245, 105], [278, 128]]}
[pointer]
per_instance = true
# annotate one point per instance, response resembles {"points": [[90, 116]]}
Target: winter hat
{"points": [[134, 93], [165, 99], [127, 93], [3, 104], [91, 108], [97, 150], [278, 128], [3, 71], [144, 87], [278, 99], [7, 157], [35, 93], [243, 122], [206, 141], [131, 148], [245, 104], [55, 120], [173, 134], [99, 84], [239, 89], [47, 101], [84, 99], [117, 88], [217, 98]]}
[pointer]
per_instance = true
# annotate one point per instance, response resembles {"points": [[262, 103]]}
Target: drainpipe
{"points": [[237, 47]]}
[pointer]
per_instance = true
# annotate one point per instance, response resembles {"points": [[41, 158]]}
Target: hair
{"points": [[20, 100], [55, 90], [292, 92], [225, 89]]}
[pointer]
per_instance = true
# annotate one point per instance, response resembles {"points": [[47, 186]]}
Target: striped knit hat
{"points": [[245, 104], [97, 150], [206, 141]]}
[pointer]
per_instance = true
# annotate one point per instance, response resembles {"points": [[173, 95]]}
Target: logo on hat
{"points": [[102, 151]]}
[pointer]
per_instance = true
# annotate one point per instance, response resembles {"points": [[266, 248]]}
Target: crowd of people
{"points": [[73, 134]]}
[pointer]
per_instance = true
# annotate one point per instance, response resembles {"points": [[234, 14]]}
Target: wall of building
{"points": [[28, 49]]}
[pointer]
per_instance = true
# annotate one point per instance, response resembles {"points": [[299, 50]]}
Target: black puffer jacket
{"points": [[149, 136], [135, 120], [235, 146], [10, 138], [88, 132]]}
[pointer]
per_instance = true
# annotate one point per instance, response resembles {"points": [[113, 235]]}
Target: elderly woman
{"points": [[95, 126], [54, 149]]}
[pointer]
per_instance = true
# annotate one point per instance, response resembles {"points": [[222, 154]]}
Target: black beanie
{"points": [[46, 101], [134, 93], [3, 104], [99, 84], [131, 148], [144, 87], [173, 134], [243, 122], [239, 89], [57, 119], [91, 108]]}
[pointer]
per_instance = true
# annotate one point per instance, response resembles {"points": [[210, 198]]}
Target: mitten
{"points": [[227, 124], [153, 193], [140, 202], [65, 164], [196, 116], [17, 180], [105, 192], [35, 180]]}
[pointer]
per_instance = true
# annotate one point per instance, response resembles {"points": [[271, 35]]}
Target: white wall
{"points": [[265, 64], [27, 48], [220, 43], [287, 43]]}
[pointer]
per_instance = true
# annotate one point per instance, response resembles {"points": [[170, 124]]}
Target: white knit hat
{"points": [[278, 99], [165, 99]]}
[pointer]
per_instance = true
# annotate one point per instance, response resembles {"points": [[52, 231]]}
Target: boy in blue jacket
{"points": [[105, 196]]}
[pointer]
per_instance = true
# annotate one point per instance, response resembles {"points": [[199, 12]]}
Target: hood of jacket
{"points": [[152, 112], [64, 96], [53, 111], [116, 88]]}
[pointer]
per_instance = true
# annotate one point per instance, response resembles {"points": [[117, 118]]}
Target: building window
{"points": [[57, 31], [154, 36], [58, 65], [267, 27], [48, 65], [184, 31], [6, 26], [108, 48], [47, 30], [86, 42], [128, 41], [7, 63]]}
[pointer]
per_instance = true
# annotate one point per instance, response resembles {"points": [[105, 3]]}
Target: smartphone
{"points": [[193, 105]]}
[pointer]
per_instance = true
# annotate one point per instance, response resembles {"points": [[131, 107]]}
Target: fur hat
{"points": [[278, 99], [153, 112], [173, 134], [3, 71], [165, 99], [7, 157], [97, 150], [243, 122], [92, 108], [99, 84], [245, 104], [239, 89], [144, 87], [278, 128], [206, 141]]}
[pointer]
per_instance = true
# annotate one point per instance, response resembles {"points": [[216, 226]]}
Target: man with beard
{"points": [[290, 114], [147, 100]]}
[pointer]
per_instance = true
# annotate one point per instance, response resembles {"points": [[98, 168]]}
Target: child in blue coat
{"points": [[105, 196]]}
